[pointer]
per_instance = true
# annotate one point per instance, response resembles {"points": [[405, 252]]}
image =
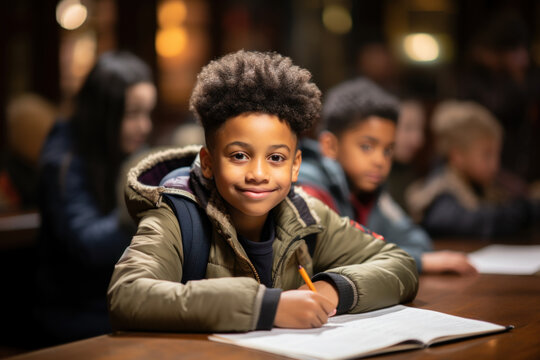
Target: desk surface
{"points": [[502, 299], [19, 229]]}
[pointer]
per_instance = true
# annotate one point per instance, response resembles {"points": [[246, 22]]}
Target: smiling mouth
{"points": [[256, 193]]}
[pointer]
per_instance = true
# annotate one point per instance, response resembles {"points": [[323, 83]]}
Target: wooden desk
{"points": [[502, 299], [19, 229]]}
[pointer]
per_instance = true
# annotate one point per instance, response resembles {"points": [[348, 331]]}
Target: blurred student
{"points": [[409, 141], [349, 164], [499, 74], [29, 118], [463, 197], [82, 237]]}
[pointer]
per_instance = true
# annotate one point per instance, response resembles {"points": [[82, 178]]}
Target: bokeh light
{"points": [[71, 14], [171, 13], [337, 19], [421, 47], [171, 41]]}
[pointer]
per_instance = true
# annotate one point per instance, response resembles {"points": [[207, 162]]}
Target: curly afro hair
{"points": [[253, 82], [355, 100]]}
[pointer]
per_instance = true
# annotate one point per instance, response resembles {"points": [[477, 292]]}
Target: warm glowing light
{"points": [[71, 14], [421, 47], [172, 13], [171, 42], [84, 53], [337, 19]]}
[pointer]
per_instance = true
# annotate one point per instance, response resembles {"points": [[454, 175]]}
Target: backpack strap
{"points": [[196, 236]]}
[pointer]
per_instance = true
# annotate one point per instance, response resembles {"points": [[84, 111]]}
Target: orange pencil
{"points": [[306, 278]]}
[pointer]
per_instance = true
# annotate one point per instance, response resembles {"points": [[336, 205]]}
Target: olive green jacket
{"points": [[145, 292]]}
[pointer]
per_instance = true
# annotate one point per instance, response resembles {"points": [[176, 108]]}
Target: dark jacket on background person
{"points": [[146, 292], [324, 178], [78, 245], [446, 204]]}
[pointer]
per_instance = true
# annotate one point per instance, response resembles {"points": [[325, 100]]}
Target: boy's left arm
{"points": [[369, 273]]}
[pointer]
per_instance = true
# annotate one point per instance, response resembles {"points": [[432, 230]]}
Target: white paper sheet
{"points": [[507, 259]]}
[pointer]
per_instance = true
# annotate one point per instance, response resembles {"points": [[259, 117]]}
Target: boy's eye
{"points": [[276, 158], [366, 147], [239, 156], [389, 152]]}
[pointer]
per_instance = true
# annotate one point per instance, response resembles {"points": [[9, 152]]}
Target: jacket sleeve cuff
{"points": [[269, 305], [346, 293]]}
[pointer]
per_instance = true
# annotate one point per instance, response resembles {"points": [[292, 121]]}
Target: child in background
{"points": [[409, 141], [463, 197], [252, 106], [29, 118], [82, 234], [349, 164]]}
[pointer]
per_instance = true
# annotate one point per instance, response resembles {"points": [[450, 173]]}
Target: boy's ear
{"points": [[328, 144], [206, 162], [296, 165]]}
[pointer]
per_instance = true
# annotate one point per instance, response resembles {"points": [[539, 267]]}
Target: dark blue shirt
{"points": [[261, 253]]}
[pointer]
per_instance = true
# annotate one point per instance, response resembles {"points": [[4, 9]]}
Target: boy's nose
{"points": [[378, 158], [257, 172]]}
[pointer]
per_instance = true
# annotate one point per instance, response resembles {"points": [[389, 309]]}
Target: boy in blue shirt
{"points": [[349, 164]]}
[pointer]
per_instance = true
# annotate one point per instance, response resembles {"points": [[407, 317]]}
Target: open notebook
{"points": [[352, 336]]}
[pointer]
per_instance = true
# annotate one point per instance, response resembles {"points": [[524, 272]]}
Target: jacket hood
{"points": [[143, 190], [326, 174]]}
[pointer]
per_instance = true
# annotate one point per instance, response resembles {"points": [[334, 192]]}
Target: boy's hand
{"points": [[302, 309], [447, 261], [326, 289]]}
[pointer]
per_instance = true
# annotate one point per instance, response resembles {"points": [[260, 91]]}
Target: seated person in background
{"points": [[82, 236], [463, 197], [347, 168], [409, 141], [29, 118], [252, 106]]}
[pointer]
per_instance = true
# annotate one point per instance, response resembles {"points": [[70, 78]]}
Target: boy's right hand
{"points": [[302, 309]]}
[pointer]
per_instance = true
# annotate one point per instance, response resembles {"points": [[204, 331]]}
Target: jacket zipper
{"points": [[280, 263], [249, 263]]}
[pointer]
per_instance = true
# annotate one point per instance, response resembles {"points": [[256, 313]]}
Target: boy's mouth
{"points": [[255, 193], [374, 178]]}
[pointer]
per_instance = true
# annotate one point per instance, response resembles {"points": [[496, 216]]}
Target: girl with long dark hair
{"points": [[82, 236]]}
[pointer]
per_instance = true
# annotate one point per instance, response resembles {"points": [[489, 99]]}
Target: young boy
{"points": [[252, 106], [351, 162], [465, 196]]}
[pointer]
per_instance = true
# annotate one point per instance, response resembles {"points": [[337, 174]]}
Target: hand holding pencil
{"points": [[306, 309]]}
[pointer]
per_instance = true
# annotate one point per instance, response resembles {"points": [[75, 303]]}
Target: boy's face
{"points": [[365, 153], [480, 160], [253, 161]]}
